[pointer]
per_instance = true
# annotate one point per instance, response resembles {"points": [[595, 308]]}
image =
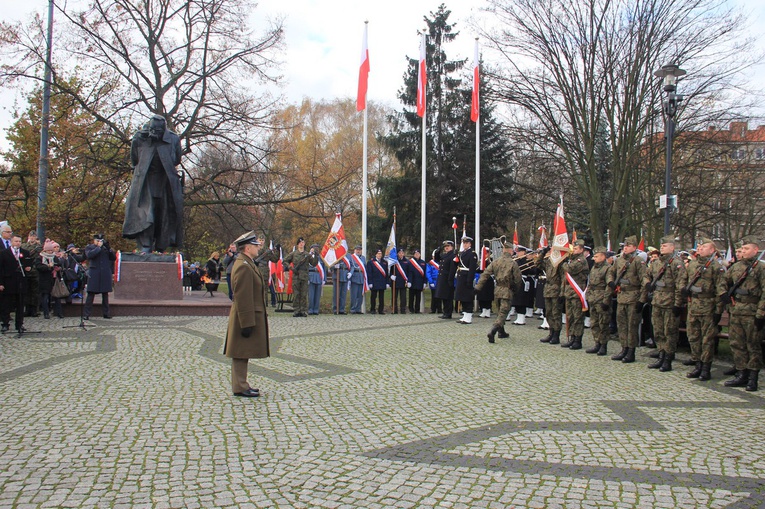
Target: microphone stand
{"points": [[82, 280]]}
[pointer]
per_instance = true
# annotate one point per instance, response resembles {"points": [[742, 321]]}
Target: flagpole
{"points": [[364, 173], [423, 197], [477, 164]]}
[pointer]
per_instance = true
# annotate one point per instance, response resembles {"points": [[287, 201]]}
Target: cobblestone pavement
{"points": [[362, 411]]}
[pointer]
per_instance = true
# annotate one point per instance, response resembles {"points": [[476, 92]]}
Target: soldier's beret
{"points": [[739, 245], [600, 249], [704, 240], [669, 239], [248, 238], [578, 242], [751, 239], [631, 240], [299, 240]]}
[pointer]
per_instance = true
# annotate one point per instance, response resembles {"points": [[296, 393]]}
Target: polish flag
{"points": [[515, 237], [542, 237], [474, 104], [361, 98], [335, 248], [422, 80], [560, 245]]}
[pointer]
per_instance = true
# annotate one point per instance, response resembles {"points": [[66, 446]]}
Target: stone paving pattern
{"points": [[362, 411]]}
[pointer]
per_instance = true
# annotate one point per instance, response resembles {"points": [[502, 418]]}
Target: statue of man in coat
{"points": [[154, 205]]}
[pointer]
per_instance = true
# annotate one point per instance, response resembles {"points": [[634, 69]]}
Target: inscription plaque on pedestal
{"points": [[148, 277]]}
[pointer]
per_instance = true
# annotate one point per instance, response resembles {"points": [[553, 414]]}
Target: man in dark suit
{"points": [[5, 236], [100, 262], [15, 264]]}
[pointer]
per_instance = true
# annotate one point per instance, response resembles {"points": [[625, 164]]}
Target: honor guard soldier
{"points": [[467, 263], [444, 257], [553, 308], [703, 292], [300, 260], [575, 272], [415, 270], [507, 279], [663, 283], [358, 277], [523, 299], [599, 299], [625, 279], [377, 272], [746, 300]]}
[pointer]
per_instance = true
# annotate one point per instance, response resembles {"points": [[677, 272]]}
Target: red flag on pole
{"points": [[361, 98], [515, 237], [573, 236], [560, 245], [422, 80], [641, 244], [474, 103], [542, 237]]}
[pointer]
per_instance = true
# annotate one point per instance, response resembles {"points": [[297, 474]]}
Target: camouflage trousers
{"points": [[599, 320], [574, 317], [702, 332], [553, 313], [504, 306], [300, 295], [664, 329], [745, 342], [627, 320]]}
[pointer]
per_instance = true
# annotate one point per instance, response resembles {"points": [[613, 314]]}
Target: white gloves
{"points": [[393, 278], [409, 285]]}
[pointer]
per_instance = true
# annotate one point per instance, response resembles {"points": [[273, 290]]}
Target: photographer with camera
{"points": [[101, 259]]}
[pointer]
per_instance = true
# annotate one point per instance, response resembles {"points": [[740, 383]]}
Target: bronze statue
{"points": [[154, 205]]}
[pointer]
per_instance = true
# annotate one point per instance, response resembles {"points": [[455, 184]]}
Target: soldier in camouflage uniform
{"points": [[625, 277], [262, 261], [705, 287], [300, 260], [747, 314], [578, 269], [551, 293], [507, 278], [663, 283], [599, 300]]}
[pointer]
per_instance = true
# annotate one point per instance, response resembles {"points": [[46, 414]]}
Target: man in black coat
{"points": [[444, 257], [15, 265], [466, 264], [100, 263]]}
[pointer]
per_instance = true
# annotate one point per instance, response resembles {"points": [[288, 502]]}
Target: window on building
{"points": [[759, 153], [737, 154]]}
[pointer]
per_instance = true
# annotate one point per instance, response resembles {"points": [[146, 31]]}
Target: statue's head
{"points": [[157, 127]]}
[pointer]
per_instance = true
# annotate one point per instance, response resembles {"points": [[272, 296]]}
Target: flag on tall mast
{"points": [[560, 246], [361, 97], [422, 80], [474, 103]]}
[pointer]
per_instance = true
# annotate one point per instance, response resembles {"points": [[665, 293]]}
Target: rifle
{"points": [[699, 272], [737, 284], [652, 285], [616, 286]]}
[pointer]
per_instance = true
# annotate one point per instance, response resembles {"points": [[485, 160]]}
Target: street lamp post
{"points": [[669, 73]]}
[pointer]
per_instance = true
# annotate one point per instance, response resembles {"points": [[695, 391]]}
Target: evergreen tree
{"points": [[450, 141]]}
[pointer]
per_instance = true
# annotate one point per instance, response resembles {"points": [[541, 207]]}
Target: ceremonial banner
{"points": [[542, 237], [390, 249], [560, 245], [335, 248]]}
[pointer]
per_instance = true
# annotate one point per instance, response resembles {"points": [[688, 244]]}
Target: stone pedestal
{"points": [[148, 277]]}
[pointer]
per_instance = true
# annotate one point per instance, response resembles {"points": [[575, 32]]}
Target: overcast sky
{"points": [[323, 42]]}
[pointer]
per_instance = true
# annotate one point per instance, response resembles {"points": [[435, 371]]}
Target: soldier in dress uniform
{"points": [[599, 299], [663, 283], [300, 260], [377, 272], [317, 276], [507, 278], [553, 307], [467, 263], [625, 278], [703, 291], [357, 276], [577, 269], [444, 257], [417, 280], [746, 300]]}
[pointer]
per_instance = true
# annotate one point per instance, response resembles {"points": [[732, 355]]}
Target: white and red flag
{"points": [[335, 248], [276, 272], [485, 257], [361, 98], [560, 246], [542, 237], [474, 102], [422, 80], [515, 237]]}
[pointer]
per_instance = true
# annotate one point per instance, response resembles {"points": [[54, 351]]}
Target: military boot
{"points": [[577, 343], [555, 339], [569, 341], [619, 356], [659, 361], [730, 371], [741, 379], [503, 333], [696, 372], [492, 332], [667, 364], [754, 374], [629, 357], [655, 354], [594, 349], [547, 339], [706, 371], [603, 349], [689, 362]]}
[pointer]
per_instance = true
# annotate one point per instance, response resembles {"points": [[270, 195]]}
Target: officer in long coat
{"points": [[444, 257], [247, 333], [466, 264], [101, 259], [507, 277]]}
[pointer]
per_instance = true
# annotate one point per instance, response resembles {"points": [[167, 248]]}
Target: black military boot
{"points": [[741, 379], [689, 362], [667, 364], [754, 374], [555, 339], [594, 349], [576, 343], [619, 356], [696, 372], [548, 338], [659, 362], [730, 371], [503, 333], [655, 354], [630, 356], [569, 341], [706, 372], [492, 332], [603, 349]]}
